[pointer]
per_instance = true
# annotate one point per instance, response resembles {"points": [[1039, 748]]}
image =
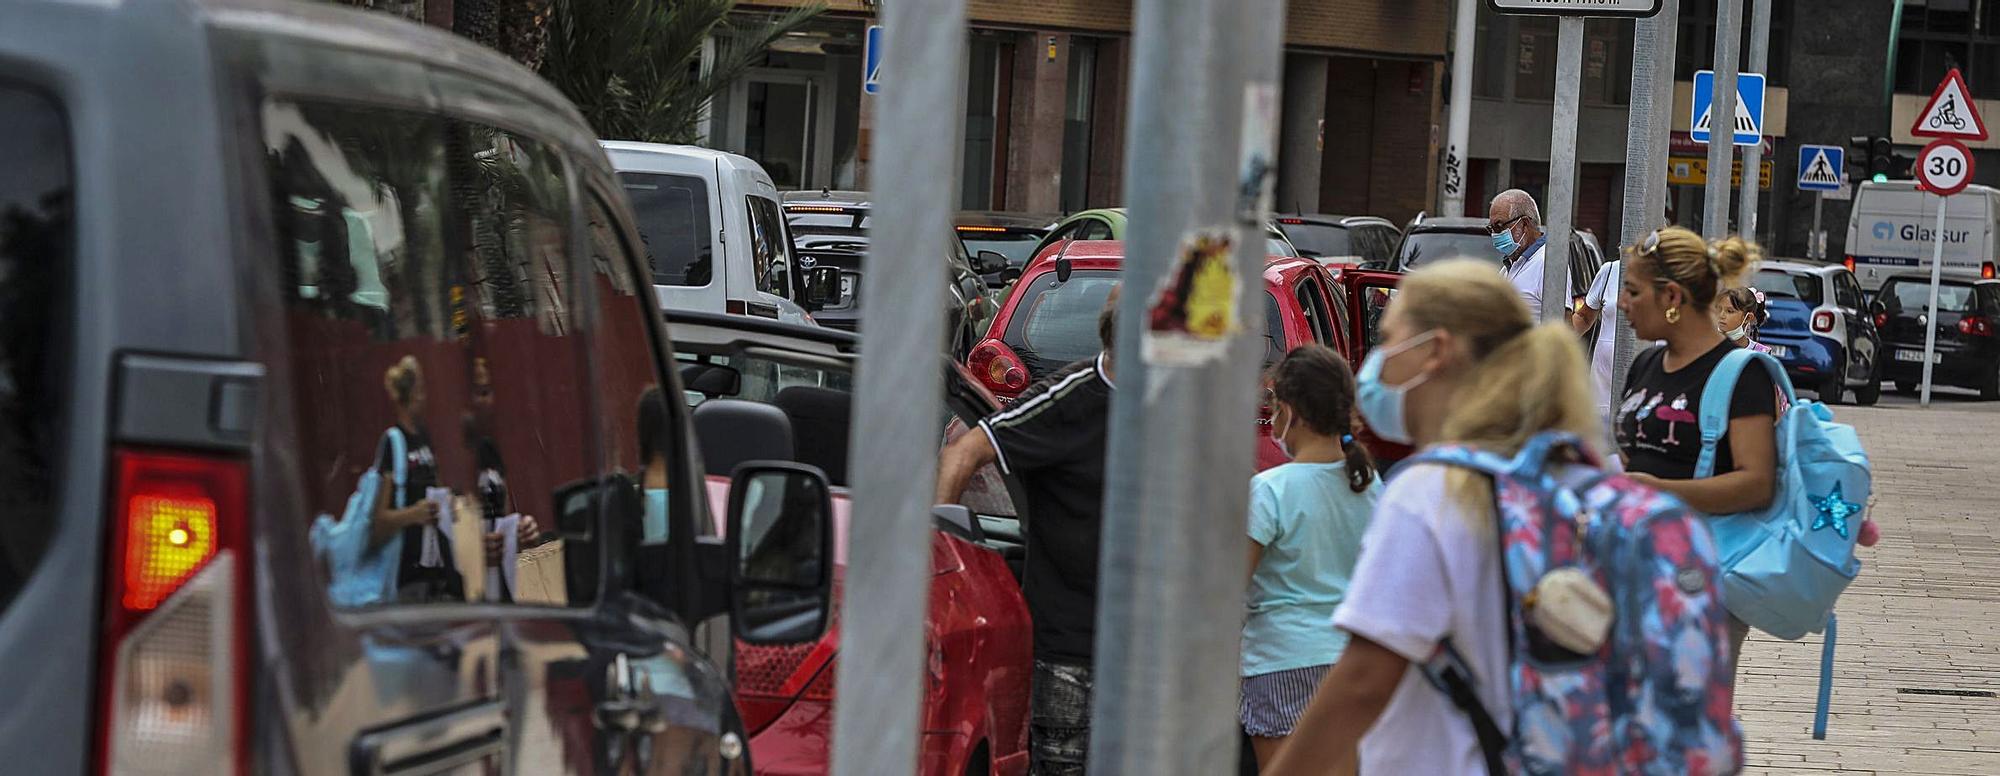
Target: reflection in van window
{"points": [[37, 238], [438, 386], [673, 223], [770, 249]]}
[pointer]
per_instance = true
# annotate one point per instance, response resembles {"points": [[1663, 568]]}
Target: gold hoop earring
{"points": [[1673, 315]]}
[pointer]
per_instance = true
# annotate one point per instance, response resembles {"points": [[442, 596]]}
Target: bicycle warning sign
{"points": [[1950, 113]]}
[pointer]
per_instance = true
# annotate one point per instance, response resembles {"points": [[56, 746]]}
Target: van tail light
{"points": [[998, 367], [1986, 270], [1975, 326], [1823, 322], [1881, 320], [1849, 264], [173, 691]]}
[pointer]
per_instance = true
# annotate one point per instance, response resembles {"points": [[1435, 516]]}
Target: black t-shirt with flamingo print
{"points": [[1658, 424]]}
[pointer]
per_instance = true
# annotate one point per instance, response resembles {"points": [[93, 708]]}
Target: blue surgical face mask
{"points": [[1504, 243], [1382, 405], [654, 529]]}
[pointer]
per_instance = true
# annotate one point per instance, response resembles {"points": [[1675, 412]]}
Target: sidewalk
{"points": [[1918, 631]]}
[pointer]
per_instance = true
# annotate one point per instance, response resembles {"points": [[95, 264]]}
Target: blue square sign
{"points": [[1749, 118], [1822, 168], [871, 58]]}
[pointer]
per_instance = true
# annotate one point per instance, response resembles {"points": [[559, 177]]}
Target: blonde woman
{"points": [[426, 571], [1429, 568]]}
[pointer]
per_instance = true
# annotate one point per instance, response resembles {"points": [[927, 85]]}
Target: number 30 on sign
{"points": [[1944, 167]]}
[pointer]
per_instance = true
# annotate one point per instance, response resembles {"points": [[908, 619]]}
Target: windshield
{"points": [[1424, 248], [1017, 246], [673, 223], [1055, 324], [1779, 283], [1320, 239], [844, 221], [1916, 297]]}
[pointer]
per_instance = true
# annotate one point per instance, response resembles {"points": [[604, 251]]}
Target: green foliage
{"points": [[633, 66]]}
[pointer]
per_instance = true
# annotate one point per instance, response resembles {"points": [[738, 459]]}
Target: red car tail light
{"points": [[998, 367], [1881, 320], [1986, 270], [173, 696], [1849, 264], [1976, 326], [1822, 322]]}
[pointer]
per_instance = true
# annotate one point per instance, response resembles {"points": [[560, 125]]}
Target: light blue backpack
{"points": [[360, 576], [1785, 566]]}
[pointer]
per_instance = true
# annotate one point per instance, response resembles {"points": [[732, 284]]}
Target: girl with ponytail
{"points": [[1306, 522], [1461, 362]]}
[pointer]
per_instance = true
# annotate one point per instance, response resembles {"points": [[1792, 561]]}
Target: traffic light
{"points": [[1875, 158], [1881, 155]]}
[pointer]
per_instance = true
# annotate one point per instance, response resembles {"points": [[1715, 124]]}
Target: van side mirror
{"points": [[780, 545], [989, 262], [822, 286]]}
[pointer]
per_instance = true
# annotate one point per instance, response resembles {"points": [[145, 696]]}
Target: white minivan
{"points": [[1889, 232], [714, 232]]}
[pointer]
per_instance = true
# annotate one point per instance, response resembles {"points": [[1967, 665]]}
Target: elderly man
{"points": [[1516, 225]]}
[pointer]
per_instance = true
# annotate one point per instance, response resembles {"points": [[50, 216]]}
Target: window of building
{"points": [[1078, 117], [1535, 58], [1695, 49], [1941, 34], [1490, 52], [988, 76]]}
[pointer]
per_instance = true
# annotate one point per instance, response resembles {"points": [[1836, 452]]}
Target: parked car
{"points": [[689, 201], [1821, 329], [1430, 239], [831, 229], [1968, 333], [772, 391], [1109, 224], [1012, 235], [1049, 322], [242, 242], [1889, 232], [1364, 241]]}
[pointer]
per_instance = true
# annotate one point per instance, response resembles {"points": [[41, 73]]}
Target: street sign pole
{"points": [[1463, 41], [1943, 169], [1722, 120], [901, 397], [1813, 241], [1753, 156], [1562, 169], [1170, 582], [1654, 42], [1930, 322]]}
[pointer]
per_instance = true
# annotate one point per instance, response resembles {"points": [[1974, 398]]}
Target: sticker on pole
{"points": [[1944, 167], [1950, 113], [1192, 314]]}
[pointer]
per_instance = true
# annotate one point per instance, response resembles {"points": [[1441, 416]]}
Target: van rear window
{"points": [[673, 223], [37, 241]]}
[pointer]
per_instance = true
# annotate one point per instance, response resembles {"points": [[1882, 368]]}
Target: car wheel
{"points": [[1830, 389], [1869, 392], [1989, 389]]}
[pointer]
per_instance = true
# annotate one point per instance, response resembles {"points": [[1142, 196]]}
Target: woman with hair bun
{"points": [[426, 571]]}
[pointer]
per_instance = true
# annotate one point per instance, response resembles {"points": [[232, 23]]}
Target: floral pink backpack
{"points": [[1655, 697]]}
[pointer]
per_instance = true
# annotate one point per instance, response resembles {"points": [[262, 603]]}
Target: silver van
{"points": [[338, 432], [1889, 232]]}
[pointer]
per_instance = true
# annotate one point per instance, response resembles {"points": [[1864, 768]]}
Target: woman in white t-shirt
{"points": [[1461, 362]]}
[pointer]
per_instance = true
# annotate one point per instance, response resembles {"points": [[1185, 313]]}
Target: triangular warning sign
{"points": [[1820, 171], [1745, 123], [1950, 113]]}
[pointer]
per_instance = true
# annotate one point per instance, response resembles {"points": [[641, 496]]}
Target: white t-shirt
{"points": [[1526, 274], [1428, 571], [1603, 296]]}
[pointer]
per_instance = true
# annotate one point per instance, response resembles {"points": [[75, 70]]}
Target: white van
{"points": [[714, 232], [1889, 232]]}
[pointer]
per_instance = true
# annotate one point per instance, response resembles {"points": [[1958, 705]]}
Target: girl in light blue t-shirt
{"points": [[1305, 527]]}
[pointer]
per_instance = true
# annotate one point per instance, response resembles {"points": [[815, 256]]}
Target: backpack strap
{"points": [[1720, 391], [399, 461], [1450, 676]]}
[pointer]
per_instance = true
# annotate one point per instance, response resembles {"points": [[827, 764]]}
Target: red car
{"points": [[769, 390], [1048, 322]]}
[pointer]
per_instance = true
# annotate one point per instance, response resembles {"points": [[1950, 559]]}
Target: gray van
{"points": [[337, 426]]}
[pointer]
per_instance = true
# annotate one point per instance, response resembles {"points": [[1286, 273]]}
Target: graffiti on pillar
{"points": [[1454, 173]]}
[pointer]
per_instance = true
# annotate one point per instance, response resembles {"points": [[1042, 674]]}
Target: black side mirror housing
{"points": [[957, 520], [989, 262], [822, 285], [578, 507], [780, 546], [1876, 307]]}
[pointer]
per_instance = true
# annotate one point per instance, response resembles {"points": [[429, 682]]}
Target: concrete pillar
{"points": [[1299, 153], [1034, 158]]}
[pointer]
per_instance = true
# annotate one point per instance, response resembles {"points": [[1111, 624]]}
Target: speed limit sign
{"points": [[1944, 167]]}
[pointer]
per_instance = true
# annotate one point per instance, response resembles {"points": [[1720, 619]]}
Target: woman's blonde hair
{"points": [[1524, 379], [1703, 269], [401, 380]]}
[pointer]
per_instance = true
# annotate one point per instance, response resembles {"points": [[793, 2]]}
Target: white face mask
{"points": [[1739, 333], [1279, 435]]}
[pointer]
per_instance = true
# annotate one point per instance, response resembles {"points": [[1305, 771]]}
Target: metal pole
{"points": [[901, 394], [1889, 71], [1647, 127], [1753, 156], [1722, 119], [1562, 168], [1816, 242], [1461, 108], [1170, 586], [1937, 272]]}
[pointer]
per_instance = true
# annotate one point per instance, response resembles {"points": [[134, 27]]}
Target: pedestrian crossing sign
{"points": [[1748, 122], [1821, 167], [871, 59]]}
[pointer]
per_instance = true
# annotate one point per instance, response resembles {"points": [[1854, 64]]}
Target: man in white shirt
{"points": [[1600, 309], [1516, 225]]}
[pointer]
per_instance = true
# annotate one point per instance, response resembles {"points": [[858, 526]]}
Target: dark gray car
{"points": [[337, 428]]}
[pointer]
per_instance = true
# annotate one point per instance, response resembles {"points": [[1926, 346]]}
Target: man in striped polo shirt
{"points": [[1053, 439]]}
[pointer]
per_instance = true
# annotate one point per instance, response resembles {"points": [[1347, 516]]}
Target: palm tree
{"points": [[633, 67]]}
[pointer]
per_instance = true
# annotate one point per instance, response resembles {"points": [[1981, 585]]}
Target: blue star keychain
{"points": [[1834, 511]]}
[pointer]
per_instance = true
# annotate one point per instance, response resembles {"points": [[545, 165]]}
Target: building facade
{"points": [[1046, 95]]}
